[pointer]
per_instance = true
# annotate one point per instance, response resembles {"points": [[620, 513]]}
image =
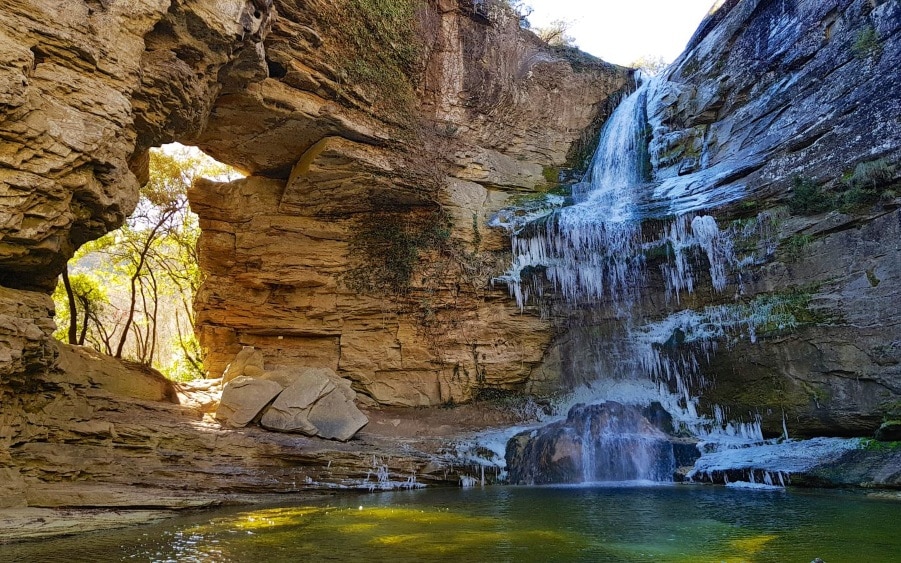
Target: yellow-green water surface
{"points": [[660, 524]]}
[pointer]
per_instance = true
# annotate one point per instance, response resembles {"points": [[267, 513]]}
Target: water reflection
{"points": [[675, 523]]}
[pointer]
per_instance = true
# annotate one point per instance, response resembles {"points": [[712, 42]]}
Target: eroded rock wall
{"points": [[772, 103], [425, 119], [798, 94], [87, 88], [360, 242]]}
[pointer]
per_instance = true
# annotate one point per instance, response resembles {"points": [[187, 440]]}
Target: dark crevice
{"points": [[276, 69]]}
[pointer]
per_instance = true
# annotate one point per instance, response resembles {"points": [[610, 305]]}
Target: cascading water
{"points": [[594, 251], [592, 248]]}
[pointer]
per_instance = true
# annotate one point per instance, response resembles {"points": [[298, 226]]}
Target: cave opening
{"points": [[130, 293]]}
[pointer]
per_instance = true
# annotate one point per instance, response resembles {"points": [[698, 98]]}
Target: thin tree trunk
{"points": [[85, 320], [155, 297], [134, 278], [73, 312]]}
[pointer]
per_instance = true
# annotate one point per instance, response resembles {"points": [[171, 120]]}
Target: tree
{"points": [[556, 34], [651, 65], [136, 285]]}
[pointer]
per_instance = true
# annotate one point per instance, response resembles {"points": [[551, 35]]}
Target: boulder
{"points": [[605, 442], [248, 362], [336, 416], [316, 403], [244, 398], [287, 377], [889, 431]]}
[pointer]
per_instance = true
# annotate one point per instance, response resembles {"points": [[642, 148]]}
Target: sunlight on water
{"points": [[673, 524]]}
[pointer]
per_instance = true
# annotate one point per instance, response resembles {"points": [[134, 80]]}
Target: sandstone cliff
{"points": [[377, 145], [377, 148], [360, 241], [88, 87]]}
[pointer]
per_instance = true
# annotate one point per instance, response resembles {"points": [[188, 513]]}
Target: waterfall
{"points": [[592, 248], [595, 251]]}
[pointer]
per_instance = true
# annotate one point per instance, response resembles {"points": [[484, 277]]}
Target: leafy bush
{"points": [[867, 184], [808, 198], [386, 251]]}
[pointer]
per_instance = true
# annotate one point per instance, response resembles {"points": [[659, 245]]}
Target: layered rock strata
{"points": [[112, 434], [88, 88], [357, 243], [789, 95], [360, 244]]}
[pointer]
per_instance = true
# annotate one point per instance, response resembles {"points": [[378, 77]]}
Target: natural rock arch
{"points": [[267, 88]]}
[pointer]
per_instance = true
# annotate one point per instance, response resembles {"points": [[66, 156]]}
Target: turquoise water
{"points": [[676, 523]]}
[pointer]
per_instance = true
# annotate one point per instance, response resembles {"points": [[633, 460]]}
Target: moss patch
{"points": [[386, 250], [382, 40], [867, 43]]}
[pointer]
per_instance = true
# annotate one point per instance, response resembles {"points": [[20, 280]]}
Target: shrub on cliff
{"points": [[809, 198]]}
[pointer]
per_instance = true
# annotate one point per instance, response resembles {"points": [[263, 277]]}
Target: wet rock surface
{"points": [[602, 442]]}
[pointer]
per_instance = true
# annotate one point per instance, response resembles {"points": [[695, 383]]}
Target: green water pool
{"points": [[660, 524]]}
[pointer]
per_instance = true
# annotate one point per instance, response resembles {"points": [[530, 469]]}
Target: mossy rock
{"points": [[889, 431]]}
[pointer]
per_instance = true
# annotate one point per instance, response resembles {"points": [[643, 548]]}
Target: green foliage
{"points": [[795, 246], [808, 198], [386, 251], [783, 312], [134, 288], [91, 300], [872, 445], [383, 38], [868, 183], [551, 175], [867, 43]]}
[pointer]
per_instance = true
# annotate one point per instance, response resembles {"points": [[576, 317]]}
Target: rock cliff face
{"points": [[781, 120], [790, 95], [377, 143], [88, 87], [377, 148]]}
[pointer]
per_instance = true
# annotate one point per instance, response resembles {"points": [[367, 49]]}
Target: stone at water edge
{"points": [[249, 362], [602, 442], [243, 398]]}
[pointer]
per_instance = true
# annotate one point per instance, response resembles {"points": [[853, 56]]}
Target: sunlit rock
{"points": [[315, 402], [243, 398], [249, 362]]}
